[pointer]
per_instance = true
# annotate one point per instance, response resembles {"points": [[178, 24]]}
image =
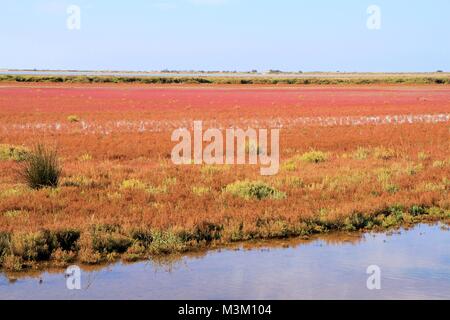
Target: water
{"points": [[120, 74], [414, 264]]}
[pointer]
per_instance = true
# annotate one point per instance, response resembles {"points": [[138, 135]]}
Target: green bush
{"points": [[253, 190], [109, 239], [67, 239], [417, 210], [314, 156], [5, 243], [9, 152], [133, 184], [166, 242], [34, 246], [41, 168]]}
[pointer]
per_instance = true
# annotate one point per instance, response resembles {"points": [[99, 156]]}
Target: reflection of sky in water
{"points": [[415, 264]]}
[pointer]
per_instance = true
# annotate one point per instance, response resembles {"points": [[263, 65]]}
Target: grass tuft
{"points": [[15, 153], [73, 119], [254, 190], [384, 153], [41, 168], [314, 156]]}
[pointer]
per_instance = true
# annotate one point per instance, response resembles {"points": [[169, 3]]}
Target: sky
{"points": [[289, 35]]}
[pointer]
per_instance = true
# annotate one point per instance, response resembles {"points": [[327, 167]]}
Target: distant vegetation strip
{"points": [[229, 80]]}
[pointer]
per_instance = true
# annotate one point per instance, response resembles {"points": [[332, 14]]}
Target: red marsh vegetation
{"points": [[352, 158]]}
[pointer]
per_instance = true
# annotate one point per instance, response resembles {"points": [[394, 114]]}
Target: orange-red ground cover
{"points": [[117, 168]]}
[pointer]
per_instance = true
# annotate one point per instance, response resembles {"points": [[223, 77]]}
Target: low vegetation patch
{"points": [[438, 78], [73, 119], [254, 190], [15, 153], [384, 153], [133, 184], [107, 243], [360, 154], [200, 191], [41, 168], [314, 156]]}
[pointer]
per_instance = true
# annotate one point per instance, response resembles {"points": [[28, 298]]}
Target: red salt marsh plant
{"points": [[121, 195]]}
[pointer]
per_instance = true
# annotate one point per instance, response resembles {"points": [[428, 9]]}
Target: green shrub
{"points": [[108, 239], [141, 236], [314, 156], [417, 210], [355, 222], [166, 242], [207, 232], [133, 184], [67, 239], [15, 153], [41, 168], [5, 243], [253, 190], [15, 191], [391, 188], [289, 166], [34, 246], [136, 252]]}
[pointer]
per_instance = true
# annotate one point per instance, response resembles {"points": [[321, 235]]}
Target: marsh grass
{"points": [[256, 190], [201, 191], [437, 78], [73, 119], [107, 243], [439, 164], [133, 184], [85, 157], [423, 156], [360, 154], [383, 153], [314, 156], [41, 168], [289, 166], [15, 153]]}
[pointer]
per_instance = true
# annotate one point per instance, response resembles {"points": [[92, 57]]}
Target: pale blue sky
{"points": [[319, 35]]}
